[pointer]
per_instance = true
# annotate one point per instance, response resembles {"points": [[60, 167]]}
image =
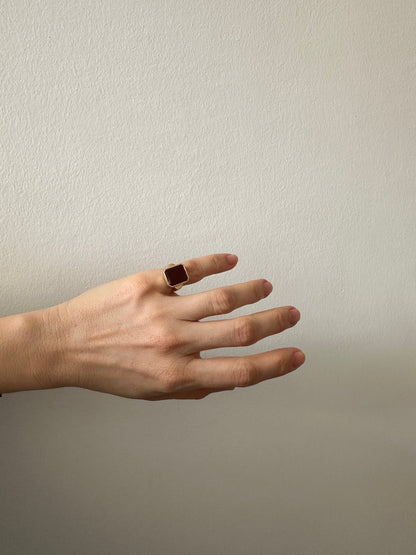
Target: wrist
{"points": [[31, 352]]}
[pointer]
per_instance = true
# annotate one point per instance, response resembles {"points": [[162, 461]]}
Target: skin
{"points": [[135, 337]]}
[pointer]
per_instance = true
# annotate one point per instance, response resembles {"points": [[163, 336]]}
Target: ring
{"points": [[175, 276]]}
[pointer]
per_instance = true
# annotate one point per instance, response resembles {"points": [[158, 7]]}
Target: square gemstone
{"points": [[176, 274]]}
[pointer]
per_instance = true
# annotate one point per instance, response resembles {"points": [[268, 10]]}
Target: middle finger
{"points": [[221, 300]]}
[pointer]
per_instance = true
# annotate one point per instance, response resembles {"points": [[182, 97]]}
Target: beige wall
{"points": [[138, 133]]}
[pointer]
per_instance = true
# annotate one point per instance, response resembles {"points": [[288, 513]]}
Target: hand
{"points": [[136, 337]]}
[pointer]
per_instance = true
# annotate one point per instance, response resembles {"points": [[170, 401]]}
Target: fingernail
{"points": [[294, 316], [268, 287], [298, 359], [232, 259]]}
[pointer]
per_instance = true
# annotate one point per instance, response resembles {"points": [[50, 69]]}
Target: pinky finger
{"points": [[195, 394], [229, 372]]}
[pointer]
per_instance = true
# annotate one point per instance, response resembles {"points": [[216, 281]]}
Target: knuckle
{"points": [[280, 318], [259, 289], [129, 290], [141, 285], [216, 262], [165, 340], [244, 373], [171, 381], [194, 269], [282, 364], [222, 301], [245, 331]]}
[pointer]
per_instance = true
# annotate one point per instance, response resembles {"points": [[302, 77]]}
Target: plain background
{"points": [[139, 133]]}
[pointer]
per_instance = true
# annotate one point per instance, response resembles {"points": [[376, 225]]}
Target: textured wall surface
{"points": [[138, 133]]}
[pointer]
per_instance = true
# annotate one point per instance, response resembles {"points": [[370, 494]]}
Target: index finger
{"points": [[197, 269]]}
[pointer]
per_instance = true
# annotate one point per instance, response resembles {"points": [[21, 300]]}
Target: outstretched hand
{"points": [[136, 337]]}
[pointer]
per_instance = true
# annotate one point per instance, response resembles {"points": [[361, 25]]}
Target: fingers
{"points": [[221, 300], [241, 331], [229, 372], [197, 269]]}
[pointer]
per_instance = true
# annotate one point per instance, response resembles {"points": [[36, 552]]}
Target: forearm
{"points": [[29, 352]]}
